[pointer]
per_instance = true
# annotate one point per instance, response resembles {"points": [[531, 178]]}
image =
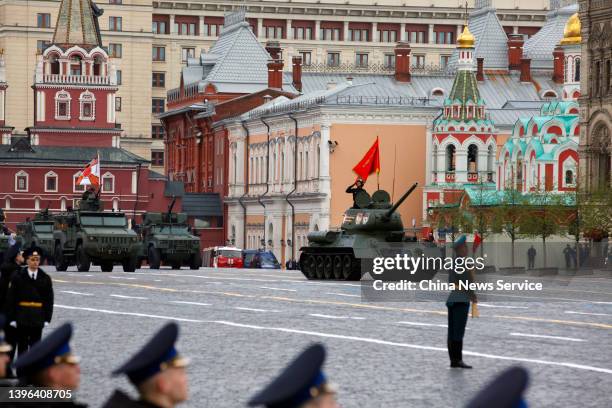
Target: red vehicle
{"points": [[222, 257]]}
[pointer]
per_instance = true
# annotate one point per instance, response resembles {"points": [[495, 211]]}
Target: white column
{"points": [[403, 36], [375, 32], [346, 31], [441, 164], [1, 104], [289, 30], [459, 31], [324, 177], [202, 32], [431, 38], [461, 166], [515, 30], [260, 33], [482, 164], [428, 154], [317, 29], [172, 29]]}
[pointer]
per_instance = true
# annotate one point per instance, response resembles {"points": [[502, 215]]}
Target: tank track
{"points": [[330, 263]]}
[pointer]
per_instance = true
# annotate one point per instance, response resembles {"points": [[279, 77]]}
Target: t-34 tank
{"points": [[366, 232]]}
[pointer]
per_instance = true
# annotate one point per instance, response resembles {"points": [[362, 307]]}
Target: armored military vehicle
{"points": [[88, 235], [167, 239], [38, 232], [370, 229]]}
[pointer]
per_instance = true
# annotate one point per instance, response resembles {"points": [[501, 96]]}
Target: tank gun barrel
{"points": [[400, 201]]}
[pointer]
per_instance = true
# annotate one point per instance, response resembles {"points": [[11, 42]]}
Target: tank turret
{"points": [[369, 228]]}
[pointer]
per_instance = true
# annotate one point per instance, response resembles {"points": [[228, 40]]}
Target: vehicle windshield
{"points": [[103, 221], [43, 227], [229, 253], [171, 229], [268, 258]]}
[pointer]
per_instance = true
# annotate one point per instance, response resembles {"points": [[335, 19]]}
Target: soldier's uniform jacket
{"points": [[460, 295], [30, 302], [119, 399]]}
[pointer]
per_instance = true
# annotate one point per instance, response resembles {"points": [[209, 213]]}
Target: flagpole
{"points": [[394, 169], [378, 172]]}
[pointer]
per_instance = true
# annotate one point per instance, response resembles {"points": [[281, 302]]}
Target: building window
{"points": [[273, 32], [418, 61], [187, 53], [119, 77], [88, 106], [42, 45], [157, 105], [332, 34], [108, 183], [185, 28], [569, 173], [51, 182], [359, 34], [387, 36], [77, 188], [444, 37], [21, 181], [444, 61], [302, 33], [450, 158], [115, 50], [417, 37], [333, 59], [158, 80], [361, 60], [389, 61], [157, 132], [115, 1], [114, 23], [157, 158], [62, 105], [43, 20], [159, 53], [212, 30], [159, 27], [117, 104], [306, 57]]}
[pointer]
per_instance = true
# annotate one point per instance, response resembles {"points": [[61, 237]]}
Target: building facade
{"points": [[596, 101], [149, 42]]}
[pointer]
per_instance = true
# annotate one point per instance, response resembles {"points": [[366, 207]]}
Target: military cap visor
{"points": [[4, 346], [157, 355], [301, 381], [505, 391], [51, 350], [32, 251]]}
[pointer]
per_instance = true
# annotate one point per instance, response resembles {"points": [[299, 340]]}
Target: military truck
{"points": [[88, 235], [167, 240], [38, 232]]}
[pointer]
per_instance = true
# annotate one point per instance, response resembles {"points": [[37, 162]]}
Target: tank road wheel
{"points": [[130, 264], [154, 258], [328, 267], [82, 260], [309, 267], [338, 267], [320, 267], [347, 266], [60, 261], [196, 261], [106, 266]]}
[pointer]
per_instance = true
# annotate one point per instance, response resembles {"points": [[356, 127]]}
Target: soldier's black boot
{"points": [[457, 359]]}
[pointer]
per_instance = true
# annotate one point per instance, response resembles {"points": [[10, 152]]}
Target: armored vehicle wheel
{"points": [[176, 265], [347, 266], [60, 261], [338, 267], [309, 267], [154, 258], [82, 260], [107, 267], [328, 267], [320, 267], [196, 261], [130, 264]]}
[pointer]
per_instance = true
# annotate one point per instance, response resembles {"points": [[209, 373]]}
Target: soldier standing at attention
{"points": [[51, 364], [157, 371], [29, 303], [458, 304], [301, 385], [354, 189]]}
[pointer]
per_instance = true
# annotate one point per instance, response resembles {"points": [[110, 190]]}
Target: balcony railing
{"points": [[76, 79]]}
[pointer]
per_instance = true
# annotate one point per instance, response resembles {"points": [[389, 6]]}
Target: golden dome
{"points": [[466, 39], [571, 34]]}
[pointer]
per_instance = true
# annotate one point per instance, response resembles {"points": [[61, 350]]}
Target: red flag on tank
{"points": [[370, 162]]}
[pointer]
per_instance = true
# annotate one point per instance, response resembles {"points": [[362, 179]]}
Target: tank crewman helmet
{"points": [[301, 381], [156, 356], [4, 346], [505, 391], [51, 350]]}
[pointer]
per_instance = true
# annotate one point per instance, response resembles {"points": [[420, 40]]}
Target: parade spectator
{"points": [[531, 254]]}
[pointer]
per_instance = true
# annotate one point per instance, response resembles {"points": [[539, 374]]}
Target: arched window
{"points": [[21, 181], [51, 182], [55, 65], [472, 158], [77, 188], [577, 70], [37, 203], [450, 157], [115, 204], [108, 183], [76, 65], [569, 177], [97, 65], [62, 105], [63, 204], [87, 102]]}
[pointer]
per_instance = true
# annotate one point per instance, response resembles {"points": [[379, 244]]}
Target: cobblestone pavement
{"points": [[239, 327]]}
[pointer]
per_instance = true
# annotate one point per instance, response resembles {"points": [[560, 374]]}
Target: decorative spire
{"points": [[77, 24], [571, 34]]}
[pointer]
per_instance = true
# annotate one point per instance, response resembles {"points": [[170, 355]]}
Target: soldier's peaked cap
{"points": [[33, 250], [505, 391], [301, 381], [52, 349], [157, 355]]}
